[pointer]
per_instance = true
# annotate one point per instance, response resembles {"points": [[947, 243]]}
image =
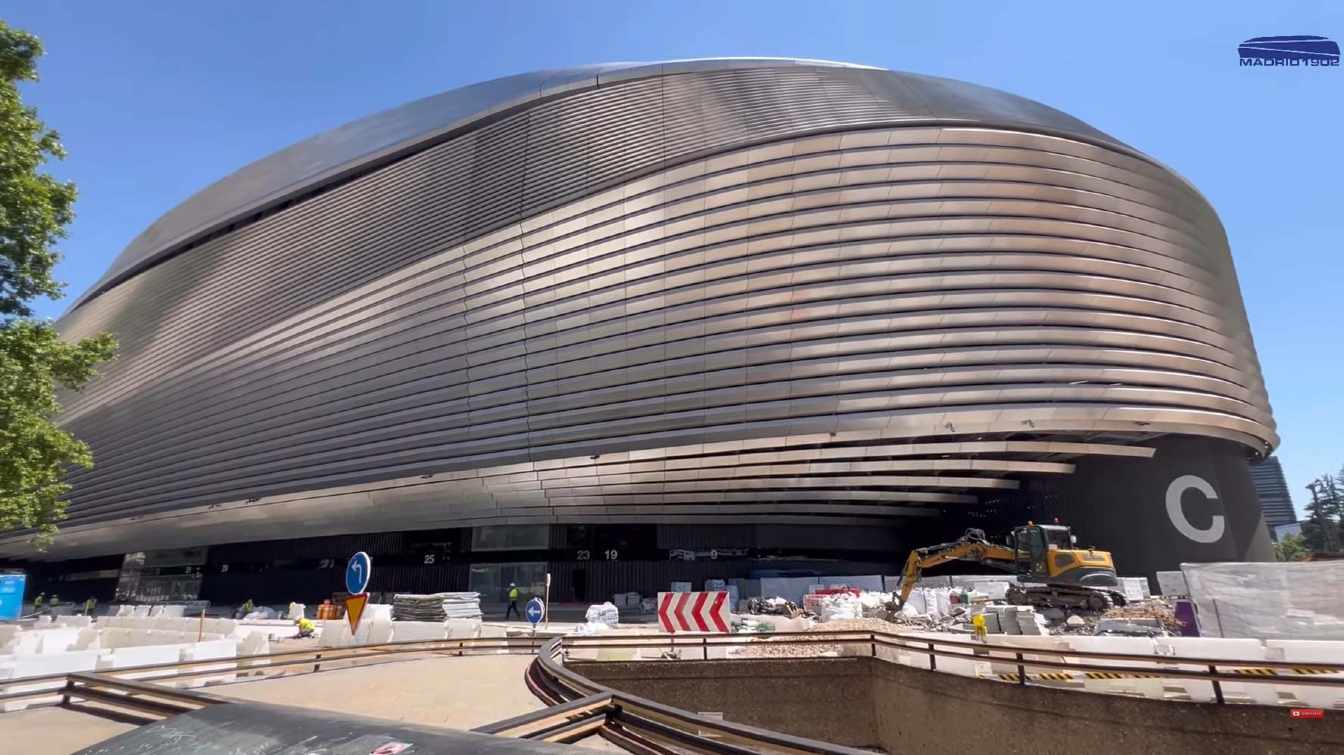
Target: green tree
{"points": [[1291, 548], [1321, 529], [35, 209]]}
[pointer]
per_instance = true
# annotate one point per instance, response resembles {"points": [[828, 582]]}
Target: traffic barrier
{"points": [[694, 612]]}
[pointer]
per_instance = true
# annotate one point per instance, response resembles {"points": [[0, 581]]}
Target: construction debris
{"points": [[953, 609], [1157, 611], [775, 606]]}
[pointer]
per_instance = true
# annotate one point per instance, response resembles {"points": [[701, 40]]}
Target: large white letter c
{"points": [[1176, 513]]}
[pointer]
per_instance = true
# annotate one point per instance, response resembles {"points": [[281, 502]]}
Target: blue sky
{"points": [[156, 100]]}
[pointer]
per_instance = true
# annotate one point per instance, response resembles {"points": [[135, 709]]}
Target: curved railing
{"points": [[578, 707]]}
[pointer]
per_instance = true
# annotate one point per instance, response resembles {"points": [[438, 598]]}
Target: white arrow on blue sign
{"points": [[535, 611], [357, 573]]}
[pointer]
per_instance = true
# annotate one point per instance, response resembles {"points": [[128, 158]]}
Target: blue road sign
{"points": [[357, 573], [11, 596], [535, 611]]}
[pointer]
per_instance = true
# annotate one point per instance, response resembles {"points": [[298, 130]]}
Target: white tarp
{"points": [[1296, 600]]}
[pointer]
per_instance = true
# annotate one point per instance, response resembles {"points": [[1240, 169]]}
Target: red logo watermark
{"points": [[1307, 713]]}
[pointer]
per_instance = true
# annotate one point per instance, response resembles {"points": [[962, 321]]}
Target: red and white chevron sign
{"points": [[693, 611]]}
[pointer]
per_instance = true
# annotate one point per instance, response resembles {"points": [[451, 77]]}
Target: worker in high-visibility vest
{"points": [[513, 602], [306, 626], [980, 626]]}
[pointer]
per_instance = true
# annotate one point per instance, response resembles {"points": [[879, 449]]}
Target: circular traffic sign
{"points": [[357, 573], [535, 611]]}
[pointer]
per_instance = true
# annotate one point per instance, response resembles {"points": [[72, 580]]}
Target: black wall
{"points": [[1120, 505]]}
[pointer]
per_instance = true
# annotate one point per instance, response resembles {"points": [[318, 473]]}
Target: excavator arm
{"points": [[972, 546]]}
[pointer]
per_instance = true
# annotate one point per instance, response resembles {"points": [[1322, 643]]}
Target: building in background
{"points": [[636, 323], [1276, 501]]}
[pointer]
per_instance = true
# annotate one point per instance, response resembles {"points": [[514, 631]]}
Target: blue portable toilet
{"points": [[11, 595]]}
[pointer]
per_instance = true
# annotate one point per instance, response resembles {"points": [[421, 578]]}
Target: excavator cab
{"points": [[1032, 545], [1049, 552]]}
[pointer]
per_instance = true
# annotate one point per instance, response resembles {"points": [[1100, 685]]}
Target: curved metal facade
{"points": [[730, 289]]}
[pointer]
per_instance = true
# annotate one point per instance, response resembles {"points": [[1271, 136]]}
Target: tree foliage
{"points": [[1291, 548], [1322, 530], [35, 208]]}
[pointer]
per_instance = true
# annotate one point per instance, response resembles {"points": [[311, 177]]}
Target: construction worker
{"points": [[513, 602], [89, 605], [38, 601], [306, 627], [981, 630]]}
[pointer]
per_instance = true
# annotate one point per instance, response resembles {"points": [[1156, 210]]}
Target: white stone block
{"points": [[463, 629], [254, 643], [41, 665], [416, 631], [27, 643], [142, 656], [380, 632], [210, 649], [88, 639]]}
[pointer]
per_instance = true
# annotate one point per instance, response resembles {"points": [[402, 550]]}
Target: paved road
{"points": [[54, 731], [460, 693]]}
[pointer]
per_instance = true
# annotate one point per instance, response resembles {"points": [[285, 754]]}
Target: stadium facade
{"points": [[641, 322]]}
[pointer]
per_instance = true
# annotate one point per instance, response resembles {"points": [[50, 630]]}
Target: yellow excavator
{"points": [[1052, 571]]}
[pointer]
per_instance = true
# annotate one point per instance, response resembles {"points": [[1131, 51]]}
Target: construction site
{"points": [[1227, 657]]}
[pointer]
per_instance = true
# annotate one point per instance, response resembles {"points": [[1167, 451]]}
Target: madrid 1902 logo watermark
{"points": [[1300, 51]]}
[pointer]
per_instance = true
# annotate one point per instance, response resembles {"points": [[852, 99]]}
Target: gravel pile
{"points": [[1154, 608]]}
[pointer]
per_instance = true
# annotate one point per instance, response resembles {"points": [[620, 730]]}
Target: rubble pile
{"points": [[775, 606], [959, 609]]}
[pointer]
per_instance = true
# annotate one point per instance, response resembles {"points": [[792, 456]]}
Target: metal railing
{"points": [[637, 724], [1139, 666], [57, 688], [579, 707]]}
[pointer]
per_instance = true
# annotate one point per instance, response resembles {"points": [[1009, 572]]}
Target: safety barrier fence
{"points": [[634, 723], [579, 707], [135, 683], [1050, 664]]}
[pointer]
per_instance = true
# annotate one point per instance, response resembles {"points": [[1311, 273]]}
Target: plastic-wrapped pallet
{"points": [[605, 613], [437, 606], [680, 587], [839, 607]]}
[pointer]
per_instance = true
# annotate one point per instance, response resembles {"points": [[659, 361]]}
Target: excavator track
{"points": [[1063, 596]]}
